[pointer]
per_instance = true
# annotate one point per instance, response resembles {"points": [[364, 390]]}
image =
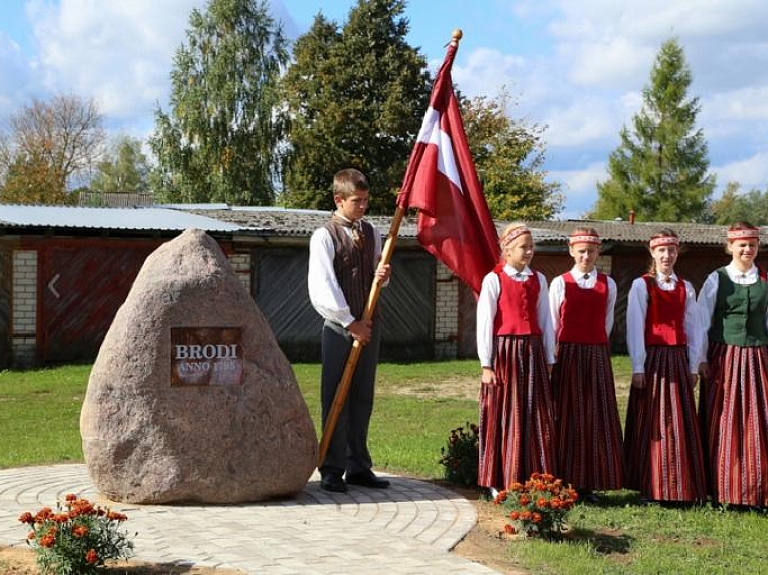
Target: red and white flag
{"points": [[454, 223]]}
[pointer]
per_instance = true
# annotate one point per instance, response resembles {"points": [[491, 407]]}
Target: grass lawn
{"points": [[416, 407]]}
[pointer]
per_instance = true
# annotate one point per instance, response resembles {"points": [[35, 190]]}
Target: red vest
{"points": [[583, 312], [665, 319], [516, 308]]}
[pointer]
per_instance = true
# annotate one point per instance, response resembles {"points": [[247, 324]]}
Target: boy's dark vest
{"points": [[665, 318], [517, 305], [583, 312], [353, 265], [739, 316]]}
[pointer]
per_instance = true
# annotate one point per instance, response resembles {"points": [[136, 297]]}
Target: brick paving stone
{"points": [[406, 529]]}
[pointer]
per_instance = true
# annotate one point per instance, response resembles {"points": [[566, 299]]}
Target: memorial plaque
{"points": [[206, 356]]}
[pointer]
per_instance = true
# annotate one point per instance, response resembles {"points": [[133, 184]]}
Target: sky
{"points": [[576, 68]]}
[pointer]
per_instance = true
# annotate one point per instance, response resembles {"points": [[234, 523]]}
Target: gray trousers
{"points": [[348, 448]]}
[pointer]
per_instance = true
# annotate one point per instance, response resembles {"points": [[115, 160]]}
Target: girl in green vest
{"points": [[734, 397]]}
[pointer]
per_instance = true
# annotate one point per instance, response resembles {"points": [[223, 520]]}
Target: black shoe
{"points": [[333, 482], [367, 479]]}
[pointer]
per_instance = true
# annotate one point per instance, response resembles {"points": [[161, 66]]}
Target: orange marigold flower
{"points": [[542, 502], [91, 557], [26, 517], [43, 514], [61, 517], [31, 535], [116, 516], [516, 486], [70, 497], [501, 497], [514, 516], [524, 500], [525, 515], [509, 529], [536, 517], [47, 541], [79, 531]]}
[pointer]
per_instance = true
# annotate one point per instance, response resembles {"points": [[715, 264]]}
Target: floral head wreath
{"points": [[743, 234], [512, 236], [584, 238], [664, 241]]}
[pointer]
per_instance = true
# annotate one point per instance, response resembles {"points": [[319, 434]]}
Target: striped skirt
{"points": [[589, 445], [516, 425], [734, 409], [662, 441]]}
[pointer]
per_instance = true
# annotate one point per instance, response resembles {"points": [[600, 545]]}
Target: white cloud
{"points": [[580, 188], [16, 77], [751, 172], [118, 52], [486, 71]]}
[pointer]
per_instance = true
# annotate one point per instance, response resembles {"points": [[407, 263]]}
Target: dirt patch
{"points": [[21, 561], [486, 543], [455, 388]]}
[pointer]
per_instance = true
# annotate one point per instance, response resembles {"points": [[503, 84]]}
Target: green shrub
{"points": [[460, 457]]}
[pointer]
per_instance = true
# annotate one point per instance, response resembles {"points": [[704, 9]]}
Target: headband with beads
{"points": [[512, 236], [743, 234], [584, 238], [664, 241]]}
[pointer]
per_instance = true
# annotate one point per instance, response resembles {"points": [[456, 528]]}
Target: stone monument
{"points": [[190, 397]]}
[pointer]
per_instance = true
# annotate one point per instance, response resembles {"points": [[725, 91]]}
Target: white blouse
{"points": [[487, 304], [557, 295], [637, 309], [708, 298]]}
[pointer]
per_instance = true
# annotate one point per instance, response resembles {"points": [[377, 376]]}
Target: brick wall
{"points": [[24, 308], [446, 313], [242, 265]]}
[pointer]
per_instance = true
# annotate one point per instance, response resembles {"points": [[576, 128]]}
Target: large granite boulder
{"points": [[190, 397]]}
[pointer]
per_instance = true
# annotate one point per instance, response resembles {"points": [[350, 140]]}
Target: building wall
{"points": [[78, 309], [447, 287], [24, 308]]}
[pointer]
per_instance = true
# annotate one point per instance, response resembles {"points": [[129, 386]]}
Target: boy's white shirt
{"points": [[324, 290]]}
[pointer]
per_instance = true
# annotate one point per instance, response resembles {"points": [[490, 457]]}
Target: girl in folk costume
{"points": [[589, 444], [514, 344], [662, 443], [734, 309]]}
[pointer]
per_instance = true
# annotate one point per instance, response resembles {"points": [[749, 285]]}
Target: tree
{"points": [[356, 97], [660, 169], [220, 142], [735, 206], [508, 156], [124, 170], [51, 145]]}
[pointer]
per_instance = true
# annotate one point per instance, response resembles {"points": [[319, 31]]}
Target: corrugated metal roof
{"points": [[289, 222], [298, 223], [109, 218], [626, 232]]}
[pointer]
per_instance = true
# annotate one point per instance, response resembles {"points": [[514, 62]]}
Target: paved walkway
{"points": [[406, 529]]}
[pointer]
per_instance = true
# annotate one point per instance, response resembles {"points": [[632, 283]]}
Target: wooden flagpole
{"points": [[354, 355]]}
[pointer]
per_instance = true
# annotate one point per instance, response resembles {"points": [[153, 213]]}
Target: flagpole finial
{"points": [[456, 36]]}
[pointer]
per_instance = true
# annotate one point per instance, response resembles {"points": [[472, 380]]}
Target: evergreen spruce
{"points": [[660, 169]]}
